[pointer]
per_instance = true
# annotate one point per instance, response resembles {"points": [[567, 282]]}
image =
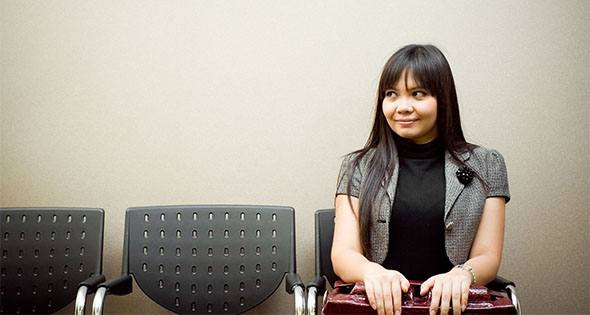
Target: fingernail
{"points": [[432, 312], [397, 312], [463, 307]]}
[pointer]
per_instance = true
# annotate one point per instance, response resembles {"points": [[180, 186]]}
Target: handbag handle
{"points": [[412, 297]]}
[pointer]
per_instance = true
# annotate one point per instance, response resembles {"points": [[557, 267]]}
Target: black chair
{"points": [[208, 258], [324, 232], [47, 255]]}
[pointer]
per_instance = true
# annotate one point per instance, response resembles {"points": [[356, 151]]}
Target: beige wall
{"points": [[125, 103]]}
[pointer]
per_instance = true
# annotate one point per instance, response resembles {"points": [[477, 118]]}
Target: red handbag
{"points": [[348, 298]]}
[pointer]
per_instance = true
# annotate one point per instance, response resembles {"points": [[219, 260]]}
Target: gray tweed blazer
{"points": [[463, 203]]}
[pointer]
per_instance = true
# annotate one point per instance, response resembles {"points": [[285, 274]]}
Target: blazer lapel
{"points": [[393, 181], [454, 187], [384, 205]]}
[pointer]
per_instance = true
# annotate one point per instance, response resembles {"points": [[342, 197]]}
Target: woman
{"points": [[419, 202]]}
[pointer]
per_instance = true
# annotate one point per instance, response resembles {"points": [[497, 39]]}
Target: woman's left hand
{"points": [[451, 287]]}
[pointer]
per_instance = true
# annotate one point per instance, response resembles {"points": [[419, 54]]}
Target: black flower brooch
{"points": [[465, 175]]}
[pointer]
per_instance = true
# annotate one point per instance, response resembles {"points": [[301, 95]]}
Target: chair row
{"points": [[201, 259]]}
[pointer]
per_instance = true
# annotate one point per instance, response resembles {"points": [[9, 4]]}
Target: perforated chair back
{"points": [[46, 253], [324, 233], [209, 259]]}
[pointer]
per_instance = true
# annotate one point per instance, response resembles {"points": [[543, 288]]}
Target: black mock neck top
{"points": [[416, 227]]}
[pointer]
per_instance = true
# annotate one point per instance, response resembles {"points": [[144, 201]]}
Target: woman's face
{"points": [[411, 112]]}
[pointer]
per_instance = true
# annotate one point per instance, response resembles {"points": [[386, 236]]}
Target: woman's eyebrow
{"points": [[416, 87]]}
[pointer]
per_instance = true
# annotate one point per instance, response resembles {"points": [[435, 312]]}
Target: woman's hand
{"points": [[384, 289], [451, 287]]}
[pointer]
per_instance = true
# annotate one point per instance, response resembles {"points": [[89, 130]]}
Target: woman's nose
{"points": [[404, 105]]}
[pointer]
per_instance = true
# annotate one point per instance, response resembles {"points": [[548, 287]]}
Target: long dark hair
{"points": [[430, 70]]}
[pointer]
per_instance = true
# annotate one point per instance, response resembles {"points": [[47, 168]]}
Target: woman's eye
{"points": [[390, 94], [420, 93]]}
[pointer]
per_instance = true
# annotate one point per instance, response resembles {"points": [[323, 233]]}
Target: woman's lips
{"points": [[406, 122]]}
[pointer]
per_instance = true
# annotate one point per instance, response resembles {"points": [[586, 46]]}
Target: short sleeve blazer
{"points": [[463, 202]]}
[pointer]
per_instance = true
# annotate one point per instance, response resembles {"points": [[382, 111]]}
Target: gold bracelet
{"points": [[469, 269]]}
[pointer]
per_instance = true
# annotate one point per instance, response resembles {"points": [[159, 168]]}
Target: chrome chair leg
{"points": [[98, 302], [81, 300], [512, 293], [312, 301], [299, 300]]}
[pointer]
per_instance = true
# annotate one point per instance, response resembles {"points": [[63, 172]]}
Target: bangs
{"points": [[418, 63]]}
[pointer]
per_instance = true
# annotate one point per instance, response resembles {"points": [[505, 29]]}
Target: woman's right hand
{"points": [[384, 289]]}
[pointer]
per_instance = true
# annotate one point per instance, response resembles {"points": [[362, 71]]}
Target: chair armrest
{"points": [[319, 283], [120, 286], [92, 282], [293, 281], [499, 284], [505, 285], [84, 288]]}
